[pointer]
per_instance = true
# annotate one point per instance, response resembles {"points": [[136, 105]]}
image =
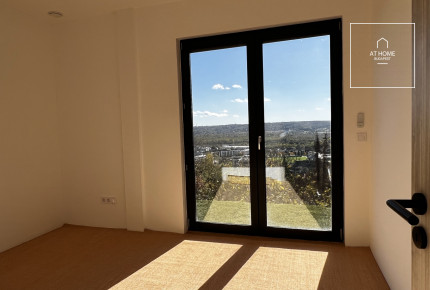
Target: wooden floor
{"points": [[75, 257]]}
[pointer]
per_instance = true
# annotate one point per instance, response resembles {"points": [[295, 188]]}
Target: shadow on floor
{"points": [[75, 257]]}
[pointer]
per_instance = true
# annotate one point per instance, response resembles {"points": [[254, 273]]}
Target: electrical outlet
{"points": [[108, 200]]}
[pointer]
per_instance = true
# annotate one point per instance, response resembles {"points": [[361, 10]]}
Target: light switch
{"points": [[362, 136], [360, 120]]}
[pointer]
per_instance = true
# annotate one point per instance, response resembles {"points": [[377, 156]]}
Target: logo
{"points": [[382, 55]]}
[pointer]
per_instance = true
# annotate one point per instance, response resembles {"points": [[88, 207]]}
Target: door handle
{"points": [[418, 203], [259, 142]]}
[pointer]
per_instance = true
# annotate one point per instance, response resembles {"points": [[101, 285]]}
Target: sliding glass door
{"points": [[263, 131]]}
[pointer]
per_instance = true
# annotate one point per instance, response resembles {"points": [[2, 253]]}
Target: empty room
{"points": [[200, 144]]}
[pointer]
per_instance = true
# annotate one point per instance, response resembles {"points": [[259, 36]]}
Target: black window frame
{"points": [[254, 40]]}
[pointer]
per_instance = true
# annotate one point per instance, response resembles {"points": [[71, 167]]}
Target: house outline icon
{"points": [[377, 43]]}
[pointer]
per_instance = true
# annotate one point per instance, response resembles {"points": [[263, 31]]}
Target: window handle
{"points": [[259, 142]]}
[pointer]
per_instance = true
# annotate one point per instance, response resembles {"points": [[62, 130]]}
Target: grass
{"points": [[296, 216], [299, 216], [297, 158], [226, 212], [237, 188]]}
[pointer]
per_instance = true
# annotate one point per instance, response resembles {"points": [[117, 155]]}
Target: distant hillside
{"points": [[280, 126], [238, 134], [311, 126]]}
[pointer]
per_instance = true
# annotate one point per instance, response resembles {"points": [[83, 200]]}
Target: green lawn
{"points": [[279, 215], [297, 158]]}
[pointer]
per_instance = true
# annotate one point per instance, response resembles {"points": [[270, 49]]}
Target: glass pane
{"points": [[220, 132], [297, 136]]}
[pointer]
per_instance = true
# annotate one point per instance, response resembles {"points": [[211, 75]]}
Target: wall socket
{"points": [[108, 200]]}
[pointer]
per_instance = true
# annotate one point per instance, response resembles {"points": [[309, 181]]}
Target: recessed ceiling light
{"points": [[55, 14]]}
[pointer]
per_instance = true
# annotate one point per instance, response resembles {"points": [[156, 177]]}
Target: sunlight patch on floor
{"points": [[276, 268], [186, 266]]}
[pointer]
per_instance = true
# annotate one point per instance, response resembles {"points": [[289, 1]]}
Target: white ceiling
{"points": [[76, 9]]}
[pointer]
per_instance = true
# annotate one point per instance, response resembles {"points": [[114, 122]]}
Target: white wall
{"points": [[390, 234], [90, 121], [159, 27], [31, 196]]}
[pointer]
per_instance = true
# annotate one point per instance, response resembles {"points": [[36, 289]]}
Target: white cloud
{"points": [[240, 100], [236, 116], [204, 114], [328, 99], [267, 100], [225, 111], [319, 109], [218, 87], [236, 86], [227, 88]]}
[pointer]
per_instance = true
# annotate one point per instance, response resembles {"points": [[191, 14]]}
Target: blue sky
{"points": [[296, 83]]}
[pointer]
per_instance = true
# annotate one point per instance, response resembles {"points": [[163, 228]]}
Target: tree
{"points": [[289, 176], [317, 148], [208, 178], [325, 197], [325, 150]]}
